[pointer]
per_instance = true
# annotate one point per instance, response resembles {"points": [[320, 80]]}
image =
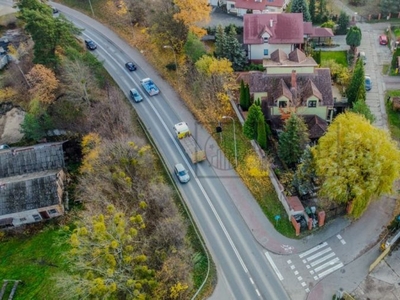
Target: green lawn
{"points": [[339, 56], [393, 116], [33, 258]]}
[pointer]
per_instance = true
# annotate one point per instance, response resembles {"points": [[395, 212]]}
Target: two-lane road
{"points": [[242, 266]]}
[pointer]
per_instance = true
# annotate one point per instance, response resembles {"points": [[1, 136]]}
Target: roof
{"points": [[316, 126], [258, 5], [28, 191], [23, 160], [287, 28], [262, 82], [322, 32], [295, 58], [294, 203]]}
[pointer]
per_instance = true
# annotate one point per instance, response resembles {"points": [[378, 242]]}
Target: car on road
{"points": [[135, 95], [383, 40], [181, 173], [90, 45], [368, 83], [131, 66]]}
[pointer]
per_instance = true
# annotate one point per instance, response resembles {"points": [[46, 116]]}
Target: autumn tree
{"points": [[105, 259], [361, 107], [194, 48], [293, 140], [191, 13], [43, 83], [356, 88], [356, 162], [301, 6], [250, 126], [353, 38]]}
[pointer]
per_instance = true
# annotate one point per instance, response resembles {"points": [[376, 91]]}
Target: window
{"points": [[312, 103], [266, 41], [53, 211], [232, 6], [37, 217], [282, 103], [265, 51], [22, 219]]}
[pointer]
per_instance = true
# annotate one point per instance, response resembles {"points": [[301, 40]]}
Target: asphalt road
{"points": [[243, 269]]}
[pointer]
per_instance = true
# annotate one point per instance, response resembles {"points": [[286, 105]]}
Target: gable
{"points": [[284, 28]]}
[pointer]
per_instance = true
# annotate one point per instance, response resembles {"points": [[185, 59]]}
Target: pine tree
{"points": [[353, 38], [304, 178], [242, 95], [247, 97], [299, 6], [343, 22], [356, 88], [220, 42], [251, 123], [312, 10], [261, 132], [293, 140]]}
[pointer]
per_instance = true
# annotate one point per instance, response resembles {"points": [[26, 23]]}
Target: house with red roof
{"points": [[265, 33], [242, 7]]}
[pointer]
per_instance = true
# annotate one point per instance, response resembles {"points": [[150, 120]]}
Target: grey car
{"points": [[181, 173], [135, 95]]}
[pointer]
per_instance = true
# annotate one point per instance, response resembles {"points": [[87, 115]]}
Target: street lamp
{"points": [[234, 135], [170, 47]]}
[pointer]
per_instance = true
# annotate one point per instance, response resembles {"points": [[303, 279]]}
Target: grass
{"points": [[339, 56], [33, 258], [393, 116]]}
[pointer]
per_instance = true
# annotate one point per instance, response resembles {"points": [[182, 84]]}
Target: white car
{"points": [[135, 95], [181, 173]]}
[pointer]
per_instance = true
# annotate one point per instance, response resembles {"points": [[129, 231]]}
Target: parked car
{"points": [[55, 10], [368, 83], [90, 45], [181, 173], [361, 55], [383, 40], [135, 95], [4, 146], [131, 66]]}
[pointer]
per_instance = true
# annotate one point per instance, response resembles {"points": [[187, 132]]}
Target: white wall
{"points": [[257, 51]]}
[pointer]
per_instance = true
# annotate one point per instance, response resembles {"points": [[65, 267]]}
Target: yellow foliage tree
{"points": [[212, 66], [7, 93], [91, 151], [43, 83], [105, 259], [193, 12], [356, 162]]}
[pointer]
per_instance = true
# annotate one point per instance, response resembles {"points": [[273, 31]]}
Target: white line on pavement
{"points": [[329, 263], [318, 261], [318, 254], [274, 266], [329, 271], [313, 249]]}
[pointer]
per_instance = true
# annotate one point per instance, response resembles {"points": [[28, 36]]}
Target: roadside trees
{"points": [[299, 6], [356, 90], [353, 38], [356, 162]]}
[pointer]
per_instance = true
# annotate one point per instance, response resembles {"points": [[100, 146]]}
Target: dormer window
{"points": [[266, 39], [282, 103], [312, 103]]}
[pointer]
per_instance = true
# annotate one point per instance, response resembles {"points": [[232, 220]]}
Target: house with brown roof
{"points": [[242, 7], [306, 91], [265, 33], [31, 184]]}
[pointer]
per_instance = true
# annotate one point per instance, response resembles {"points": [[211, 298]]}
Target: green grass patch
{"points": [[396, 32], [393, 116], [338, 56], [385, 69], [33, 258]]}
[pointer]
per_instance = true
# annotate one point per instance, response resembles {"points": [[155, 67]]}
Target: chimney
{"points": [[294, 79], [271, 23]]}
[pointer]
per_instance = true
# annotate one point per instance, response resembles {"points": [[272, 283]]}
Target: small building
{"points": [[31, 184]]}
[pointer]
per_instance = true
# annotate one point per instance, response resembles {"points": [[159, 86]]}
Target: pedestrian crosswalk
{"points": [[320, 261]]}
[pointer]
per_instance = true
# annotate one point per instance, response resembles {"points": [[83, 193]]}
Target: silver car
{"points": [[181, 173]]}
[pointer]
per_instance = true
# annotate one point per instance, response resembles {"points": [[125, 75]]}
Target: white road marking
{"points": [[296, 272], [339, 236], [318, 254], [329, 263], [313, 249], [343, 242], [274, 266], [315, 277], [307, 290], [289, 261], [299, 278], [318, 261], [292, 267], [303, 284], [329, 271]]}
